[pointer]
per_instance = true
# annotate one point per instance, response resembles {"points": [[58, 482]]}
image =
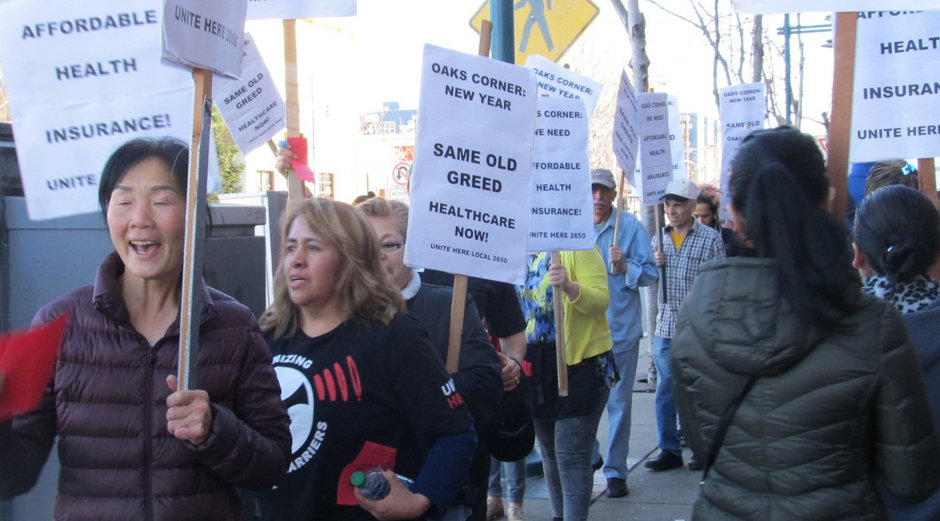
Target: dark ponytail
{"points": [[779, 187], [898, 229]]}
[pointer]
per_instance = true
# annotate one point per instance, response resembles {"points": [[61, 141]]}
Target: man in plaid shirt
{"points": [[686, 245]]}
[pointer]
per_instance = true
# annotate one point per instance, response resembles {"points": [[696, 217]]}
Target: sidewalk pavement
{"points": [[654, 496]]}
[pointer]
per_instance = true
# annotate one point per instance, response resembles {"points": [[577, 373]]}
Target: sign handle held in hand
{"points": [[190, 302], [560, 362], [619, 208], [659, 234]]}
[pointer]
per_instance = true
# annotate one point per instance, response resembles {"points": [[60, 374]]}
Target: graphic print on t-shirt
{"points": [[300, 390], [297, 395]]}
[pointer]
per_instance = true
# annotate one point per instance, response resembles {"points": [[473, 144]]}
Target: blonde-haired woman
{"points": [[361, 382]]}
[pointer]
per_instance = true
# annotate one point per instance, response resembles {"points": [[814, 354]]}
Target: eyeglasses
{"points": [[389, 247]]}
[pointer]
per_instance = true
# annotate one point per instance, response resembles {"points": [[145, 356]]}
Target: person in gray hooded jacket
{"points": [[828, 390]]}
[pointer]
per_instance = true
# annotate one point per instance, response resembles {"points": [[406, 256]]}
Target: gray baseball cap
{"points": [[682, 189], [603, 177]]}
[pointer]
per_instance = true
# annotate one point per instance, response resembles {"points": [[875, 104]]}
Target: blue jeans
{"points": [[566, 459], [665, 401], [619, 411], [515, 480]]}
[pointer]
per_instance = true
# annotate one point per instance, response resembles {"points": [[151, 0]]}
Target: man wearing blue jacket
{"points": [[630, 266]]}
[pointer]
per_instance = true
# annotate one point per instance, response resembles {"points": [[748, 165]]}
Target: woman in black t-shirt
{"points": [[359, 378]]}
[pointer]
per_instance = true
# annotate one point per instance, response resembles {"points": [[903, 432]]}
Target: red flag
{"points": [[27, 361]]}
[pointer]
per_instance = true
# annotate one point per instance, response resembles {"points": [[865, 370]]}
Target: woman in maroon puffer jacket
{"points": [[131, 446]]}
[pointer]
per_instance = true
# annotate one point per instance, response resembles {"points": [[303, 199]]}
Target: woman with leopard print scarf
{"points": [[896, 241]]}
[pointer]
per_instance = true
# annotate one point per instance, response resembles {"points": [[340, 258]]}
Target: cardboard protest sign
{"points": [[562, 207], [205, 34], [626, 135], [470, 181], [251, 106], [559, 82], [743, 109], [676, 142], [81, 83], [290, 9], [27, 362], [679, 169], [655, 146], [896, 96], [808, 6]]}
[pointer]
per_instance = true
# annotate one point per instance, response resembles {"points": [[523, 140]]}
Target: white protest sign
{"points": [[743, 109], [559, 82], [470, 180], [896, 98], [81, 83], [251, 106], [655, 146], [809, 6], [626, 139], [677, 138], [205, 34], [290, 9], [562, 207]]}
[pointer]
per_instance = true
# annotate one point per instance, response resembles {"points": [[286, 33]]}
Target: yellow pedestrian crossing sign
{"points": [[545, 27]]}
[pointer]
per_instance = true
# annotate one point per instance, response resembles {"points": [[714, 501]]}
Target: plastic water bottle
{"points": [[373, 485]]}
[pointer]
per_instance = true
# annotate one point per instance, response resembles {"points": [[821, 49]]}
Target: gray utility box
{"points": [[40, 260]]}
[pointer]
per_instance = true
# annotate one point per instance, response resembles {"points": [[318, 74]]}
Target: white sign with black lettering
{"points": [[562, 207], [290, 9], [655, 146], [80, 83], [896, 98], [251, 106], [676, 133], [205, 34], [824, 6], [559, 82], [470, 180], [626, 138], [743, 109]]}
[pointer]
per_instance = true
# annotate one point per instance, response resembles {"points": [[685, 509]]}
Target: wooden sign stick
{"points": [[561, 363], [295, 187], [190, 302], [659, 232], [926, 173], [458, 306], [618, 209], [840, 128]]}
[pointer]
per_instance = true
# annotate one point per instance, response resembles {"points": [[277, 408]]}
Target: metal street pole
{"points": [[787, 30], [504, 38], [786, 60]]}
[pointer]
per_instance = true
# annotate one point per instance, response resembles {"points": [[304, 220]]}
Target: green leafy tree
{"points": [[230, 161]]}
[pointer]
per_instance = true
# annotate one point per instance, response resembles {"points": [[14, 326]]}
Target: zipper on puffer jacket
{"points": [[148, 433]]}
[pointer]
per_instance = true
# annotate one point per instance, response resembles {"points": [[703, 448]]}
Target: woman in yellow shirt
{"points": [[566, 426]]}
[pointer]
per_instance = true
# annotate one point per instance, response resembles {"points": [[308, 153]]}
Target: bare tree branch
{"points": [[757, 49], [741, 54]]}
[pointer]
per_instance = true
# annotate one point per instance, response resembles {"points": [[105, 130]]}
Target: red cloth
{"points": [[27, 361], [298, 145]]}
